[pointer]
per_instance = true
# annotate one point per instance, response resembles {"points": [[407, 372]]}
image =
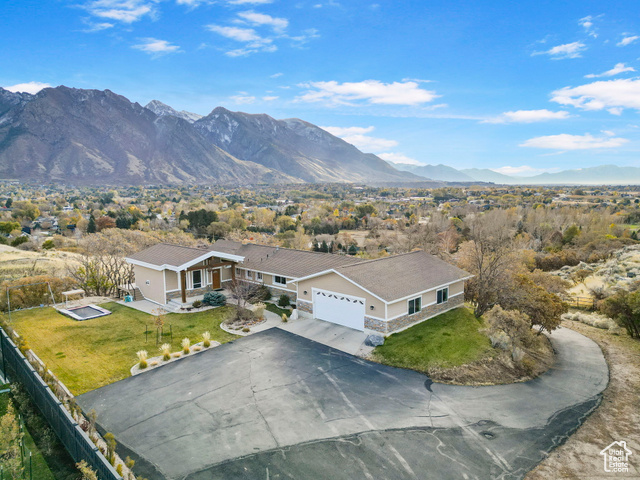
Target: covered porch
{"points": [[190, 284]]}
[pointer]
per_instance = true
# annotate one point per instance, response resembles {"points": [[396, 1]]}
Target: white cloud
{"points": [[97, 27], [604, 94], [156, 47], [255, 18], [568, 50], [618, 68], [125, 11], [371, 91], [236, 33], [628, 40], [523, 171], [399, 158], [270, 98], [358, 137], [528, 116], [276, 75], [28, 87], [243, 99], [587, 24], [565, 141]]}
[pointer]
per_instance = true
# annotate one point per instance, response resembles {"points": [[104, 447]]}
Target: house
{"points": [[383, 295]]}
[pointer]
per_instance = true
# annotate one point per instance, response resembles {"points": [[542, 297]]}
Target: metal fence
{"points": [[16, 368]]}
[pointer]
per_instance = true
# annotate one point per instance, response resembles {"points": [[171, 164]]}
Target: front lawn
{"points": [[448, 340], [272, 307], [93, 353]]}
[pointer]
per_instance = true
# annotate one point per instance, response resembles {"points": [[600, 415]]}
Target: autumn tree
{"points": [[488, 255], [624, 308]]}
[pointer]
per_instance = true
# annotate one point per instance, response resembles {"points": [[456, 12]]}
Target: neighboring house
{"points": [[383, 295]]}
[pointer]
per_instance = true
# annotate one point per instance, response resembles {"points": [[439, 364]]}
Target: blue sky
{"points": [[519, 87]]}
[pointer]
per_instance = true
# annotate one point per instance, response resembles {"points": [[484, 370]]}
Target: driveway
{"points": [[276, 405]]}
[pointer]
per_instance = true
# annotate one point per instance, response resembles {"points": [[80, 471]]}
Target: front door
{"points": [[215, 279]]}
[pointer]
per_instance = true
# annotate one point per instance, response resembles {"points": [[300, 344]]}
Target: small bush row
{"points": [[165, 351]]}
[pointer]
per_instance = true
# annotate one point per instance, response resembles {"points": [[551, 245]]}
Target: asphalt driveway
{"points": [[275, 405]]}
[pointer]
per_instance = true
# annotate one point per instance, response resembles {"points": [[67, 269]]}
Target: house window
{"points": [[197, 278], [442, 295], [247, 274], [415, 305], [280, 280], [259, 276]]}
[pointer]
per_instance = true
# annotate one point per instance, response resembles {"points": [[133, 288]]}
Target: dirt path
{"points": [[617, 418]]}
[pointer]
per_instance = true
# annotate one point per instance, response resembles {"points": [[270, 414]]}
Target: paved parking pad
{"points": [[275, 405]]}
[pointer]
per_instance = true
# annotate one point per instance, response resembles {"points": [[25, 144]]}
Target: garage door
{"points": [[338, 308]]}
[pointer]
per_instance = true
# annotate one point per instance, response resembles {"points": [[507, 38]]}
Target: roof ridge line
{"points": [[371, 260]]}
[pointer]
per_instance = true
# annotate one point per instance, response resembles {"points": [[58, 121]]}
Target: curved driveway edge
{"points": [[274, 392]]}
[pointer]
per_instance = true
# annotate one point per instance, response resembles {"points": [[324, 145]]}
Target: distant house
{"points": [[383, 295]]}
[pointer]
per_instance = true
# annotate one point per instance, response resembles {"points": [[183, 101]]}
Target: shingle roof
{"points": [[167, 254], [282, 261], [399, 276]]}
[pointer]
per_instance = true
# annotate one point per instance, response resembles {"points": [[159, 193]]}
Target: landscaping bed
{"points": [[90, 354], [451, 348]]}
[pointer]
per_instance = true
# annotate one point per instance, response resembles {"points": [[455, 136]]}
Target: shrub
{"points": [[19, 241], [48, 244], [283, 301], [214, 299], [258, 309], [142, 357], [119, 469], [87, 472], [197, 304], [206, 339], [186, 344], [285, 319], [263, 293], [165, 348], [246, 329]]}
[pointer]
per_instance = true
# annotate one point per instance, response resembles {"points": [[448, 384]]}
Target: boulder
{"points": [[374, 341]]}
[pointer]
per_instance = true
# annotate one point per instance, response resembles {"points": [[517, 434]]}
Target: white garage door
{"points": [[338, 308]]}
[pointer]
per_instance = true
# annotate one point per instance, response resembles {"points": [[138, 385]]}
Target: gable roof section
{"points": [[282, 261], [400, 276], [166, 256]]}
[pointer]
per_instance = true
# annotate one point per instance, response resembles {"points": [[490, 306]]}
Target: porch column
{"points": [[183, 285], [233, 272]]}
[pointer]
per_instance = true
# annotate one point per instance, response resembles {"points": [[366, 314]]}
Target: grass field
{"points": [[272, 307], [93, 353], [448, 340], [40, 469]]}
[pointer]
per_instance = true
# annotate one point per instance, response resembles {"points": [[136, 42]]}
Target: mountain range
{"points": [[98, 137], [600, 175], [82, 136]]}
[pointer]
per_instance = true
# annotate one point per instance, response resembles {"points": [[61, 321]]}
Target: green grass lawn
{"points": [[93, 353], [447, 340], [40, 469], [272, 307]]}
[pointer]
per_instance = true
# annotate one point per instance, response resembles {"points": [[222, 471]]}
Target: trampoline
{"points": [[86, 312]]}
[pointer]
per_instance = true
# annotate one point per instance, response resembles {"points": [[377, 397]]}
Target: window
{"points": [[259, 276], [247, 273], [442, 295], [279, 279], [415, 305], [197, 278]]}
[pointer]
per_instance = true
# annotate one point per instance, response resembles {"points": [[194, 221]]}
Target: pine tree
{"points": [[91, 228]]}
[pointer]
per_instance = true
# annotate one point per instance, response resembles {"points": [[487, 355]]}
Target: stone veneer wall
{"points": [[303, 306], [190, 293], [408, 320], [276, 292]]}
